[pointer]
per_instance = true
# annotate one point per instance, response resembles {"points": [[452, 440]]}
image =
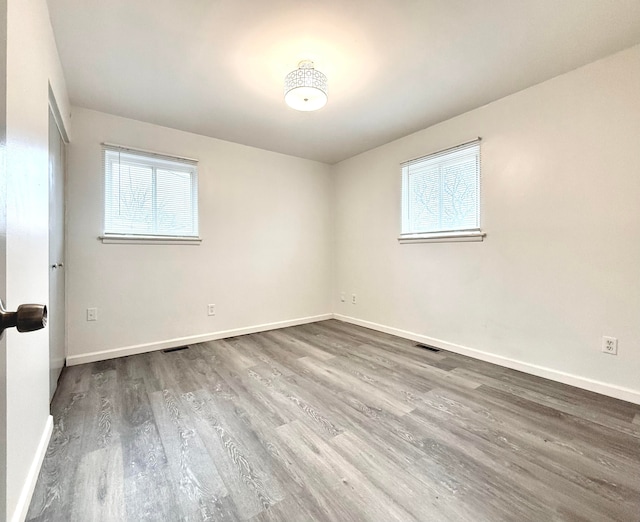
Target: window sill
{"points": [[149, 240], [443, 237]]}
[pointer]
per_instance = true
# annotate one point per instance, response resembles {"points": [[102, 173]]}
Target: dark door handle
{"points": [[27, 318]]}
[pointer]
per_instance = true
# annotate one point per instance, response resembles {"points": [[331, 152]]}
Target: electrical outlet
{"points": [[211, 309], [343, 297], [610, 345], [353, 299], [92, 314]]}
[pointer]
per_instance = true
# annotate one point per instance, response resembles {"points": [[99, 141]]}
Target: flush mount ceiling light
{"points": [[305, 89]]}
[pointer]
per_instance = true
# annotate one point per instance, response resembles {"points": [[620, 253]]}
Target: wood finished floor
{"points": [[330, 421]]}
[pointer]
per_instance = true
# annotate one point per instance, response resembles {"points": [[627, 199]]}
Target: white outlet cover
{"points": [[610, 345]]}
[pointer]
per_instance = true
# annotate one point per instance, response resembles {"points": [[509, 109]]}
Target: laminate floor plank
{"points": [[101, 422], [283, 379], [344, 382], [326, 468], [138, 367], [281, 351], [594, 464], [165, 374], [205, 373], [238, 359], [423, 369], [148, 493], [509, 462], [331, 422], [261, 352], [240, 385], [290, 508], [243, 432], [198, 486], [402, 353], [597, 415], [312, 505], [574, 427], [552, 391], [577, 461], [54, 495], [387, 431], [77, 379], [406, 488], [292, 396], [244, 415], [318, 338], [464, 466], [346, 331], [100, 478], [344, 344], [296, 346], [365, 359], [408, 390], [406, 359], [251, 489]]}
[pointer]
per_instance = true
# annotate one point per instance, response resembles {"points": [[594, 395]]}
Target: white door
{"points": [[57, 352], [25, 75], [3, 268]]}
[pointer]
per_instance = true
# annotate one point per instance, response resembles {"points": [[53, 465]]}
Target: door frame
{"points": [[53, 105], [55, 112]]}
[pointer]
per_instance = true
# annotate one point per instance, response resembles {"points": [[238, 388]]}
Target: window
{"points": [[441, 195], [149, 196]]}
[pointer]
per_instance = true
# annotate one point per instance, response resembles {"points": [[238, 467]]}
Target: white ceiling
{"points": [[216, 67]]}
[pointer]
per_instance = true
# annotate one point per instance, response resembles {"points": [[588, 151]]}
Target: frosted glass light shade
{"points": [[305, 89]]}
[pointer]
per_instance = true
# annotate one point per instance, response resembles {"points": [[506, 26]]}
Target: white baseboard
{"points": [[611, 390], [102, 355], [20, 513]]}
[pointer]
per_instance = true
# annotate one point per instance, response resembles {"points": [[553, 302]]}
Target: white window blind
{"points": [[441, 192], [148, 194]]}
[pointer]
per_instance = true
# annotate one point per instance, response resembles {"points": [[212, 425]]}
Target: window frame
{"points": [[155, 161], [440, 158]]}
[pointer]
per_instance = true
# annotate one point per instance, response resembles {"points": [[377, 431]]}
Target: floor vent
{"points": [[169, 350], [427, 347]]}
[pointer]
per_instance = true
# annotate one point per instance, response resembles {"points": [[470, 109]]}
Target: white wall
{"points": [[32, 63], [265, 256], [560, 263]]}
